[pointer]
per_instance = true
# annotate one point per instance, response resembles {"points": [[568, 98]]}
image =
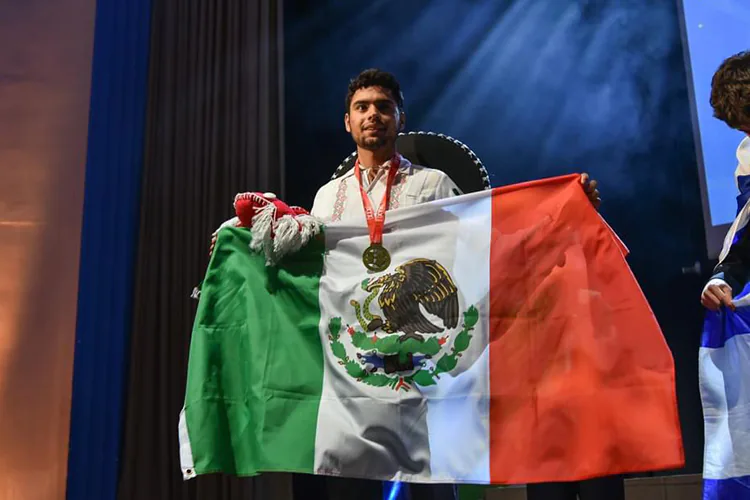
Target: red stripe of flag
{"points": [[581, 379]]}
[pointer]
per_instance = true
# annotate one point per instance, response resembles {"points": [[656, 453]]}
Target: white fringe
{"points": [[278, 238], [309, 226], [287, 237], [262, 231]]}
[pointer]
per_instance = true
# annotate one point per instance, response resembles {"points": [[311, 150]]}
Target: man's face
{"points": [[374, 119]]}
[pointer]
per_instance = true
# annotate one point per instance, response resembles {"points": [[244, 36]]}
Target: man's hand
{"points": [[717, 293], [589, 186], [235, 221]]}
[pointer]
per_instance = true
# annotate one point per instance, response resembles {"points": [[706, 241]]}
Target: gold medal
{"points": [[376, 258]]}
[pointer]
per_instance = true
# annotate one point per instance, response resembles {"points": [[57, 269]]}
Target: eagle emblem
{"points": [[419, 282], [404, 344]]}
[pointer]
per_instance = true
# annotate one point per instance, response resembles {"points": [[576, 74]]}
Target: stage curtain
{"points": [[214, 128]]}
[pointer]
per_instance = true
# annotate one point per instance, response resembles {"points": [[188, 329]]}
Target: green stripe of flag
{"points": [[256, 361]]}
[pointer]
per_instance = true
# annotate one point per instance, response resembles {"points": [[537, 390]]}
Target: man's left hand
{"points": [[589, 186]]}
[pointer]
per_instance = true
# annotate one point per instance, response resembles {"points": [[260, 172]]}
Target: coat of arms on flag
{"points": [[416, 339]]}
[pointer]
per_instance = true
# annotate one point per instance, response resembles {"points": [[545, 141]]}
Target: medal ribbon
{"points": [[376, 220]]}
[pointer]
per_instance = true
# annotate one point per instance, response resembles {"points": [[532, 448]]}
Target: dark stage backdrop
{"points": [[536, 88], [214, 128]]}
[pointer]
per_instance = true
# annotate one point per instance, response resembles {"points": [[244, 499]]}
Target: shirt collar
{"points": [[742, 173], [404, 166], [743, 152]]}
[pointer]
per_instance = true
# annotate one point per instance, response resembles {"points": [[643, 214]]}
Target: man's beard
{"points": [[373, 143]]}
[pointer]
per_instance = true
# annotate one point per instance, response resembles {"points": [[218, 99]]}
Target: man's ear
{"points": [[346, 123], [401, 121]]}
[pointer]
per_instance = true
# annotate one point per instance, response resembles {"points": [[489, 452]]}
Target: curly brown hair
{"points": [[375, 78], [730, 91]]}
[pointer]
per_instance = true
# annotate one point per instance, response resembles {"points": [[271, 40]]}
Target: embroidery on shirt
{"points": [[338, 206], [398, 186]]}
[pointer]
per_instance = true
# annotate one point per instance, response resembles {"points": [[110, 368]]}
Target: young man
{"points": [[374, 116], [730, 99]]}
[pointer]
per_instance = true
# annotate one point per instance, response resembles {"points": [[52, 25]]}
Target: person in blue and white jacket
{"points": [[730, 99]]}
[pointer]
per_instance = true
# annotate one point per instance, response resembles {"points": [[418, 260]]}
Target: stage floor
{"points": [[685, 487]]}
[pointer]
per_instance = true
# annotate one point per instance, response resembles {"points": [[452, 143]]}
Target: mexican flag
{"points": [[508, 342]]}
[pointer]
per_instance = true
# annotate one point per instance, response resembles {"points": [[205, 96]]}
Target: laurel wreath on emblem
{"points": [[398, 356], [386, 345]]}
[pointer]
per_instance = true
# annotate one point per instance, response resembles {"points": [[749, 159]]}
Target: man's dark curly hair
{"points": [[375, 78], [730, 91]]}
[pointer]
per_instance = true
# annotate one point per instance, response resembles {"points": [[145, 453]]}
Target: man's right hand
{"points": [[717, 293], [234, 221]]}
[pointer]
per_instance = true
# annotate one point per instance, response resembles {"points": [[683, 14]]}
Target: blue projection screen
{"points": [[712, 30]]}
